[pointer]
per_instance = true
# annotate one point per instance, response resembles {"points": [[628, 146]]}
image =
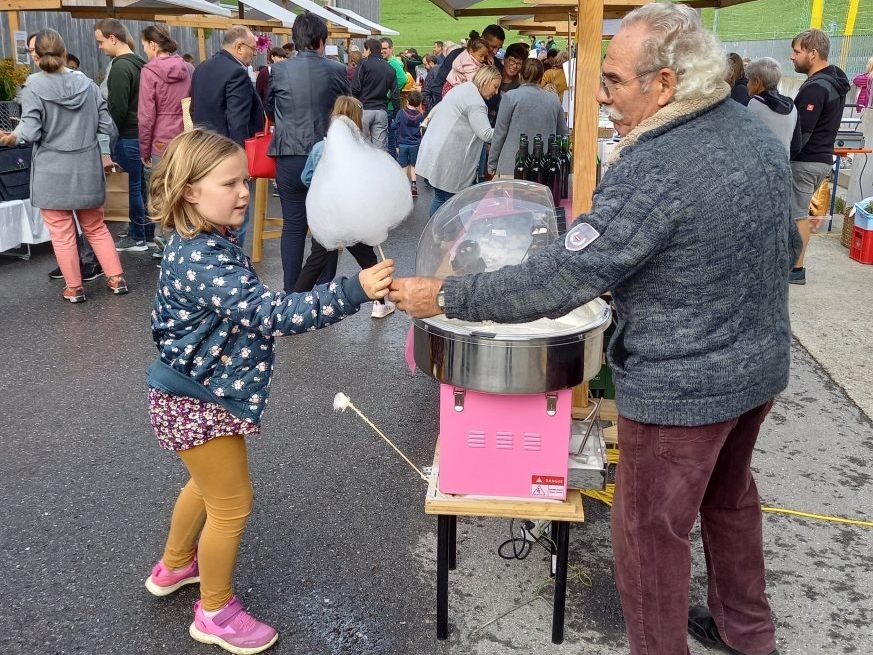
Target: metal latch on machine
{"points": [[551, 404], [459, 400]]}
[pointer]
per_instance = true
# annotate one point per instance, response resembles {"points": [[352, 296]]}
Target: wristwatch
{"points": [[441, 299]]}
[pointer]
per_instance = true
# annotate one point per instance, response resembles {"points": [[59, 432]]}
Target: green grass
{"points": [[420, 22]]}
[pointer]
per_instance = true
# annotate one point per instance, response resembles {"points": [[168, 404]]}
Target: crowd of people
{"points": [[715, 270]]}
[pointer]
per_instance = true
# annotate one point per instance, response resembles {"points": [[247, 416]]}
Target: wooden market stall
{"points": [[583, 20]]}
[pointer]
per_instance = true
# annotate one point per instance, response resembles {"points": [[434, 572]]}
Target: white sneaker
{"points": [[381, 310]]}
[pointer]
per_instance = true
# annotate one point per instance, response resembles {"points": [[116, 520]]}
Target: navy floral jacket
{"points": [[215, 322]]}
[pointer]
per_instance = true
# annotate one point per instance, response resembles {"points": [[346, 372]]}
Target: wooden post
{"points": [[14, 26], [201, 44], [589, 33], [259, 216], [817, 14]]}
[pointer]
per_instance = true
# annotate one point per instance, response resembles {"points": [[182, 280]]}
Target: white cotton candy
{"points": [[358, 192], [341, 402]]}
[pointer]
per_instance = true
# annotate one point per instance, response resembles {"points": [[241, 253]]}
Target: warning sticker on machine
{"points": [[547, 486]]}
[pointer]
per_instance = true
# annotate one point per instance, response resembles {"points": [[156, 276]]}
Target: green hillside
{"points": [[420, 22]]}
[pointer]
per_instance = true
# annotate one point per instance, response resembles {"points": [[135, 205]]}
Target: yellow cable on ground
{"points": [[607, 495]]}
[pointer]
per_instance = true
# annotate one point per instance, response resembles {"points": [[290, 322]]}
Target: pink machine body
{"points": [[504, 445]]}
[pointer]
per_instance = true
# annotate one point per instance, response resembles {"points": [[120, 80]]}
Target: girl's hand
{"points": [[7, 139], [376, 279]]}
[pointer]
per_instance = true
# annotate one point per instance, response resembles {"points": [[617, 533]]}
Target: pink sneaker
{"points": [[164, 581], [234, 629]]}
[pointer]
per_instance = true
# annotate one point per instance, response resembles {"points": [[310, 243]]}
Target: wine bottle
{"points": [[567, 167], [522, 159], [535, 172], [554, 173]]}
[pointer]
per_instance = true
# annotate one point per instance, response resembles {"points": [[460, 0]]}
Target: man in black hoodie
{"points": [[820, 103], [373, 84]]}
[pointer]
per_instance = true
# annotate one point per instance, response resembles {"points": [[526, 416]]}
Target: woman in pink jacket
{"points": [[165, 80]]}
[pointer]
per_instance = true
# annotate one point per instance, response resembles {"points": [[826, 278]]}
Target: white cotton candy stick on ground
{"points": [[358, 192]]}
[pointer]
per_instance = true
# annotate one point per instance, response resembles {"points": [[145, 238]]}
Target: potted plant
{"points": [[12, 76]]}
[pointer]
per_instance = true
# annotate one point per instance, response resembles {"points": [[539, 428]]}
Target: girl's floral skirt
{"points": [[182, 422]]}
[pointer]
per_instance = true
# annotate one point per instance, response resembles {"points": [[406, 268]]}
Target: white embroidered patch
{"points": [[580, 237]]}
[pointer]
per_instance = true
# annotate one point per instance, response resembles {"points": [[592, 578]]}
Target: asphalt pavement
{"points": [[338, 553]]}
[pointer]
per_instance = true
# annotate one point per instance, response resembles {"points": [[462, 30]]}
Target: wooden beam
{"points": [[445, 6], [201, 44], [510, 11], [14, 26], [586, 111], [29, 5]]}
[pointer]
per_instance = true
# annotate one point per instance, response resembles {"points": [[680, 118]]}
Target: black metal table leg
{"points": [[453, 542], [553, 549], [562, 540], [443, 529]]}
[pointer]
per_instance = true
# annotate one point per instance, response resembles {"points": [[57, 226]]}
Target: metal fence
{"points": [[849, 53]]}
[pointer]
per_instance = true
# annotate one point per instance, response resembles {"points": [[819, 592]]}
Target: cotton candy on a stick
{"points": [[358, 192]]}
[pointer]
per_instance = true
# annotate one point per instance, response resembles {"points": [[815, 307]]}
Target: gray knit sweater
{"points": [[696, 244]]}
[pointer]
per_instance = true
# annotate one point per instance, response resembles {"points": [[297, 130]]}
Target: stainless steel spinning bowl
{"points": [[489, 358]]}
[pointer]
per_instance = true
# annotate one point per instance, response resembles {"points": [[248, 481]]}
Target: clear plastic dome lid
{"points": [[487, 227]]}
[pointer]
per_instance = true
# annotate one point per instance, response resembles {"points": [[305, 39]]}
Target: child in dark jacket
{"points": [[215, 324], [408, 126]]}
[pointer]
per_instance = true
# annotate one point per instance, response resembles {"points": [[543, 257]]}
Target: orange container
{"points": [[861, 249]]}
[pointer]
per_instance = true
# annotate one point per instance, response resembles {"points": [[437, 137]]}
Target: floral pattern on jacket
{"points": [[216, 322]]}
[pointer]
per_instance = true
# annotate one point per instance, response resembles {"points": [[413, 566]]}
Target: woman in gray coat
{"points": [[62, 112], [456, 129], [529, 109]]}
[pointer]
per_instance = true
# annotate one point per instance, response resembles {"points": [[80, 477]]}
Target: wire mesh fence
{"points": [[10, 112]]}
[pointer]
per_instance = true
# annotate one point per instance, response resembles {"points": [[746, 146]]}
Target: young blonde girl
{"points": [[215, 323], [321, 263], [467, 63]]}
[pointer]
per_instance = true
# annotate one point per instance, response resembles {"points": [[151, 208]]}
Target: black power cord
{"points": [[520, 553]]}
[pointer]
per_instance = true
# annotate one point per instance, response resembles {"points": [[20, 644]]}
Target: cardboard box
{"points": [[117, 198]]}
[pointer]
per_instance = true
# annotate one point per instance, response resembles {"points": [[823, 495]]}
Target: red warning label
{"points": [[547, 486]]}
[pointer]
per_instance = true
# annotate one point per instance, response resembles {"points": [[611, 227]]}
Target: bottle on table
{"points": [[535, 172], [567, 166], [554, 173], [522, 159]]}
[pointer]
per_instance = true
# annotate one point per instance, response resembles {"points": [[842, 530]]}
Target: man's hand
{"points": [[7, 139], [416, 295], [108, 165]]}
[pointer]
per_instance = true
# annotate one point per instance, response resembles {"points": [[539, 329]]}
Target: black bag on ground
{"points": [[15, 172]]}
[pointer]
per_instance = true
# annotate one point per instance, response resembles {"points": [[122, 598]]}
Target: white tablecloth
{"points": [[20, 222]]}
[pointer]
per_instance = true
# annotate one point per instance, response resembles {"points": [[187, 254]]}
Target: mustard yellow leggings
{"points": [[213, 506]]}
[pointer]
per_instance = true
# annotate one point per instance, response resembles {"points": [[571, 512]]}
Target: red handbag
{"points": [[260, 163]]}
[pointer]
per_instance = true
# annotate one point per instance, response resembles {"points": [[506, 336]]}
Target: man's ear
{"points": [[191, 195], [665, 84]]}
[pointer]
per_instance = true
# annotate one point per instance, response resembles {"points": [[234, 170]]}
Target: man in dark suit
{"points": [[301, 121], [223, 97]]}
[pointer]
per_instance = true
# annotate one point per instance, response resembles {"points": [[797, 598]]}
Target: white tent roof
{"points": [[198, 5], [318, 10], [348, 13], [201, 6], [264, 10]]}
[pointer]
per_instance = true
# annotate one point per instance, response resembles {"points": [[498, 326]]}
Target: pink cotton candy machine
{"points": [[505, 392]]}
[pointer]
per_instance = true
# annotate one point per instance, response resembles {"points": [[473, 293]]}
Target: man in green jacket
{"points": [[114, 40], [397, 65]]}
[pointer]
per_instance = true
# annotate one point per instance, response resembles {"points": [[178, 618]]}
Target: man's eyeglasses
{"points": [[608, 86], [253, 48]]}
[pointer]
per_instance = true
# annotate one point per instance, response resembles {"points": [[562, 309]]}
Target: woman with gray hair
{"points": [[775, 110], [456, 129]]}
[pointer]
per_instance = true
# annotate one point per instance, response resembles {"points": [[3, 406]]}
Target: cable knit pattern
{"points": [[696, 244]]}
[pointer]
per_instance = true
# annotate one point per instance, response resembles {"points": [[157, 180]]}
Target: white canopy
{"points": [[348, 13], [269, 9]]}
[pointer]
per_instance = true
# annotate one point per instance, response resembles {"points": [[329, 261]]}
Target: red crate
{"points": [[861, 249]]}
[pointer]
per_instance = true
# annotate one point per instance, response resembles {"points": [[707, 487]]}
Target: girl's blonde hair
{"points": [[351, 108], [869, 68], [189, 158]]}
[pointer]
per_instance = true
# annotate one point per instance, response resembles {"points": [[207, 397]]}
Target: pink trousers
{"points": [[62, 229]]}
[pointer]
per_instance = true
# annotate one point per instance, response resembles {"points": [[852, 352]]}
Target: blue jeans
{"points": [[292, 195], [127, 156], [392, 133], [440, 198]]}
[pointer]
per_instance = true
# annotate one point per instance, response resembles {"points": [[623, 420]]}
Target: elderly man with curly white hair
{"points": [[694, 237]]}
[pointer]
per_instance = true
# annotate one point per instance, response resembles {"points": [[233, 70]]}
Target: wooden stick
{"points": [[390, 443], [381, 252]]}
